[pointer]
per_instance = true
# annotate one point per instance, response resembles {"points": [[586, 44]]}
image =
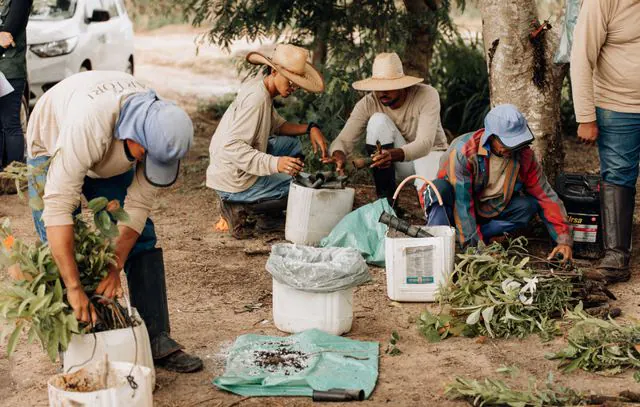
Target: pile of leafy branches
{"points": [[600, 346], [493, 392], [34, 299], [503, 291], [500, 295]]}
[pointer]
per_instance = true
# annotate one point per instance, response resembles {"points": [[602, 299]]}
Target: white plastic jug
{"points": [[120, 344], [296, 311], [313, 213], [119, 391], [416, 267]]}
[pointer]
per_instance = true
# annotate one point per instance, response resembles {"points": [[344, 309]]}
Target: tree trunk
{"points": [[523, 73], [319, 55], [419, 48]]}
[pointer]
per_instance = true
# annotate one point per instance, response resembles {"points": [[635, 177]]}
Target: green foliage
{"points": [[344, 38], [34, 300], [392, 346], [442, 326], [459, 73], [492, 392], [499, 295], [216, 108], [600, 346]]}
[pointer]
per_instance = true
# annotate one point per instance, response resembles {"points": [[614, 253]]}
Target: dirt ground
{"points": [[210, 278]]}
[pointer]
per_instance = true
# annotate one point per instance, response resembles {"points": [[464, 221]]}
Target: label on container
{"points": [[419, 264], [585, 227]]}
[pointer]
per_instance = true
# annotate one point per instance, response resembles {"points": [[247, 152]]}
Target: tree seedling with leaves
{"points": [[34, 299], [392, 346], [438, 327], [596, 345]]}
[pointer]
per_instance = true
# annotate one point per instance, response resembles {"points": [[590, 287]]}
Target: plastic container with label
{"points": [[416, 267], [313, 213]]}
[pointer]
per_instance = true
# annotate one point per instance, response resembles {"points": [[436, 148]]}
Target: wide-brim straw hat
{"points": [[292, 63], [387, 74]]}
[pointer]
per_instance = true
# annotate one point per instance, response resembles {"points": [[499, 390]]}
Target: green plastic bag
{"points": [[361, 230], [297, 365]]}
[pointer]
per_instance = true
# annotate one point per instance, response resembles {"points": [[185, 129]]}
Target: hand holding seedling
{"points": [[290, 165], [318, 142], [385, 158], [563, 251], [339, 158]]}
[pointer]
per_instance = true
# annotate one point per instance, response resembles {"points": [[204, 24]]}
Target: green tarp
{"points": [[361, 230], [297, 365]]}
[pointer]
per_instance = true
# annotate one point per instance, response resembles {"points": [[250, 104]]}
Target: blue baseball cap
{"points": [[509, 125], [169, 133]]}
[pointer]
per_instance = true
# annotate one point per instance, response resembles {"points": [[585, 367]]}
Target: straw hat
{"points": [[387, 74], [291, 62]]}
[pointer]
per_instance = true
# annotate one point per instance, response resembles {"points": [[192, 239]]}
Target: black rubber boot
{"points": [[269, 214], [384, 178], [236, 215], [148, 293], [617, 205]]}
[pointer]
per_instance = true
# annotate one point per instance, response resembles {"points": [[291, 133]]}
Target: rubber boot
{"points": [[617, 205], [148, 293], [384, 178], [270, 214], [236, 215]]}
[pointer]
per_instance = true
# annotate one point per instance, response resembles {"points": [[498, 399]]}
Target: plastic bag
{"points": [[299, 364], [563, 54], [361, 230], [317, 270]]}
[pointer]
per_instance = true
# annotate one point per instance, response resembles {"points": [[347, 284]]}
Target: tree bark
{"points": [[512, 62], [419, 48]]}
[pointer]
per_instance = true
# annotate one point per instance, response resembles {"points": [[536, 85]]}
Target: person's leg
{"points": [[436, 214], [381, 128], [36, 190], [145, 273], [515, 216], [13, 137], [285, 146], [619, 150]]}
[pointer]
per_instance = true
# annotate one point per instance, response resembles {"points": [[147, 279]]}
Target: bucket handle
{"points": [[420, 177]]}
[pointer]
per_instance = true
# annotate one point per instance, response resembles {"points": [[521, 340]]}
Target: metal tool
{"points": [[339, 395]]}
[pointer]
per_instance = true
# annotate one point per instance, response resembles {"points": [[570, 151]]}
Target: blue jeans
{"points": [[11, 135], [110, 188], [270, 187], [520, 210], [618, 146]]}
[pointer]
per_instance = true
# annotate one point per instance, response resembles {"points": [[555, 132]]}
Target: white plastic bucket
{"points": [[416, 267], [120, 344], [313, 213], [118, 393], [295, 310]]}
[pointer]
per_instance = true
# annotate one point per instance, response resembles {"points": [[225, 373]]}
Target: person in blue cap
{"points": [[103, 134], [491, 184]]}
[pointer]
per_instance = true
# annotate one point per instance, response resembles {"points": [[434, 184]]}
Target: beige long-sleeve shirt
{"points": [[605, 58], [238, 149], [418, 120], [75, 122]]}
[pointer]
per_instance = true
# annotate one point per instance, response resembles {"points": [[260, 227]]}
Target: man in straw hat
{"points": [[403, 115], [491, 183], [254, 153]]}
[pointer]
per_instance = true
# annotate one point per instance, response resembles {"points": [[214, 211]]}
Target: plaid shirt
{"points": [[466, 167]]}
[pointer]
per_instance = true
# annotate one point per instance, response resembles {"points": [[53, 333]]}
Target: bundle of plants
{"points": [[493, 392], [503, 291], [34, 298], [601, 346]]}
